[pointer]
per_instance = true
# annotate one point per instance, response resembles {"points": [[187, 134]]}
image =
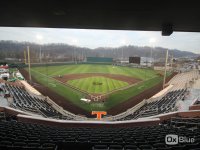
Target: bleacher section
{"points": [[22, 100], [182, 82], [186, 122], [18, 135], [164, 105]]}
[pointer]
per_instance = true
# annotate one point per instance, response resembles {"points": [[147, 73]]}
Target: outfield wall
{"points": [[99, 60]]}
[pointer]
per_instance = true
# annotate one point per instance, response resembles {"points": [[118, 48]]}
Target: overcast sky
{"points": [[185, 41]]}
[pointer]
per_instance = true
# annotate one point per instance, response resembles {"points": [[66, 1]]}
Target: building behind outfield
{"points": [[99, 60], [146, 61]]}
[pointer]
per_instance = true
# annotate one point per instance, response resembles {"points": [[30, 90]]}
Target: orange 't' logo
{"points": [[99, 114]]}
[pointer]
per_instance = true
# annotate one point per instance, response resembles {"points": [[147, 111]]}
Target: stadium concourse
{"points": [[29, 120]]}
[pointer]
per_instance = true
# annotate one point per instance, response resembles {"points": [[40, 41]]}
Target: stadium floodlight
{"points": [[152, 42], [25, 56], [40, 38], [123, 42], [29, 63], [166, 58], [74, 43]]}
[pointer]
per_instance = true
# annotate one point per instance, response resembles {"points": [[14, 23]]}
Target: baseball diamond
{"points": [[100, 82]]}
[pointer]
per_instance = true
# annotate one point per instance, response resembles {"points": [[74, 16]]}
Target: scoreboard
{"points": [[135, 60]]}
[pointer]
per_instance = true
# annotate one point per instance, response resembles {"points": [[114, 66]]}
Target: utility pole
{"points": [[165, 69], [29, 63]]}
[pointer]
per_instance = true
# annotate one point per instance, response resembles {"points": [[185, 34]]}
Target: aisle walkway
{"points": [[3, 101]]}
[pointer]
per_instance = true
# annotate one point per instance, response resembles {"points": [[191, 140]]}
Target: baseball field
{"points": [[106, 85]]}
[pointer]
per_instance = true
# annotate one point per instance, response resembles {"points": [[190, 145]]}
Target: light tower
{"points": [[74, 53], [172, 59], [152, 42], [123, 43], [40, 38], [166, 58], [24, 56], [29, 63]]}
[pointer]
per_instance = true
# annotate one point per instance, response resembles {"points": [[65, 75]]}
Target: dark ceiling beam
{"points": [[102, 14]]}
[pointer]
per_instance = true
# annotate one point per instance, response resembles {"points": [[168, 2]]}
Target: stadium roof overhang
{"points": [[102, 14]]}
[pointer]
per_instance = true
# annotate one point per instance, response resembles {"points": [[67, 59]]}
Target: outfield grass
{"points": [[107, 84], [123, 95], [44, 75], [143, 74]]}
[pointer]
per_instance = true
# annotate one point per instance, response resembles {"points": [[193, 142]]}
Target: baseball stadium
{"points": [[91, 79], [97, 95], [106, 85]]}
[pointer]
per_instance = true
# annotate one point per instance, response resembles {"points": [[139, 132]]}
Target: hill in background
{"points": [[65, 52]]}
